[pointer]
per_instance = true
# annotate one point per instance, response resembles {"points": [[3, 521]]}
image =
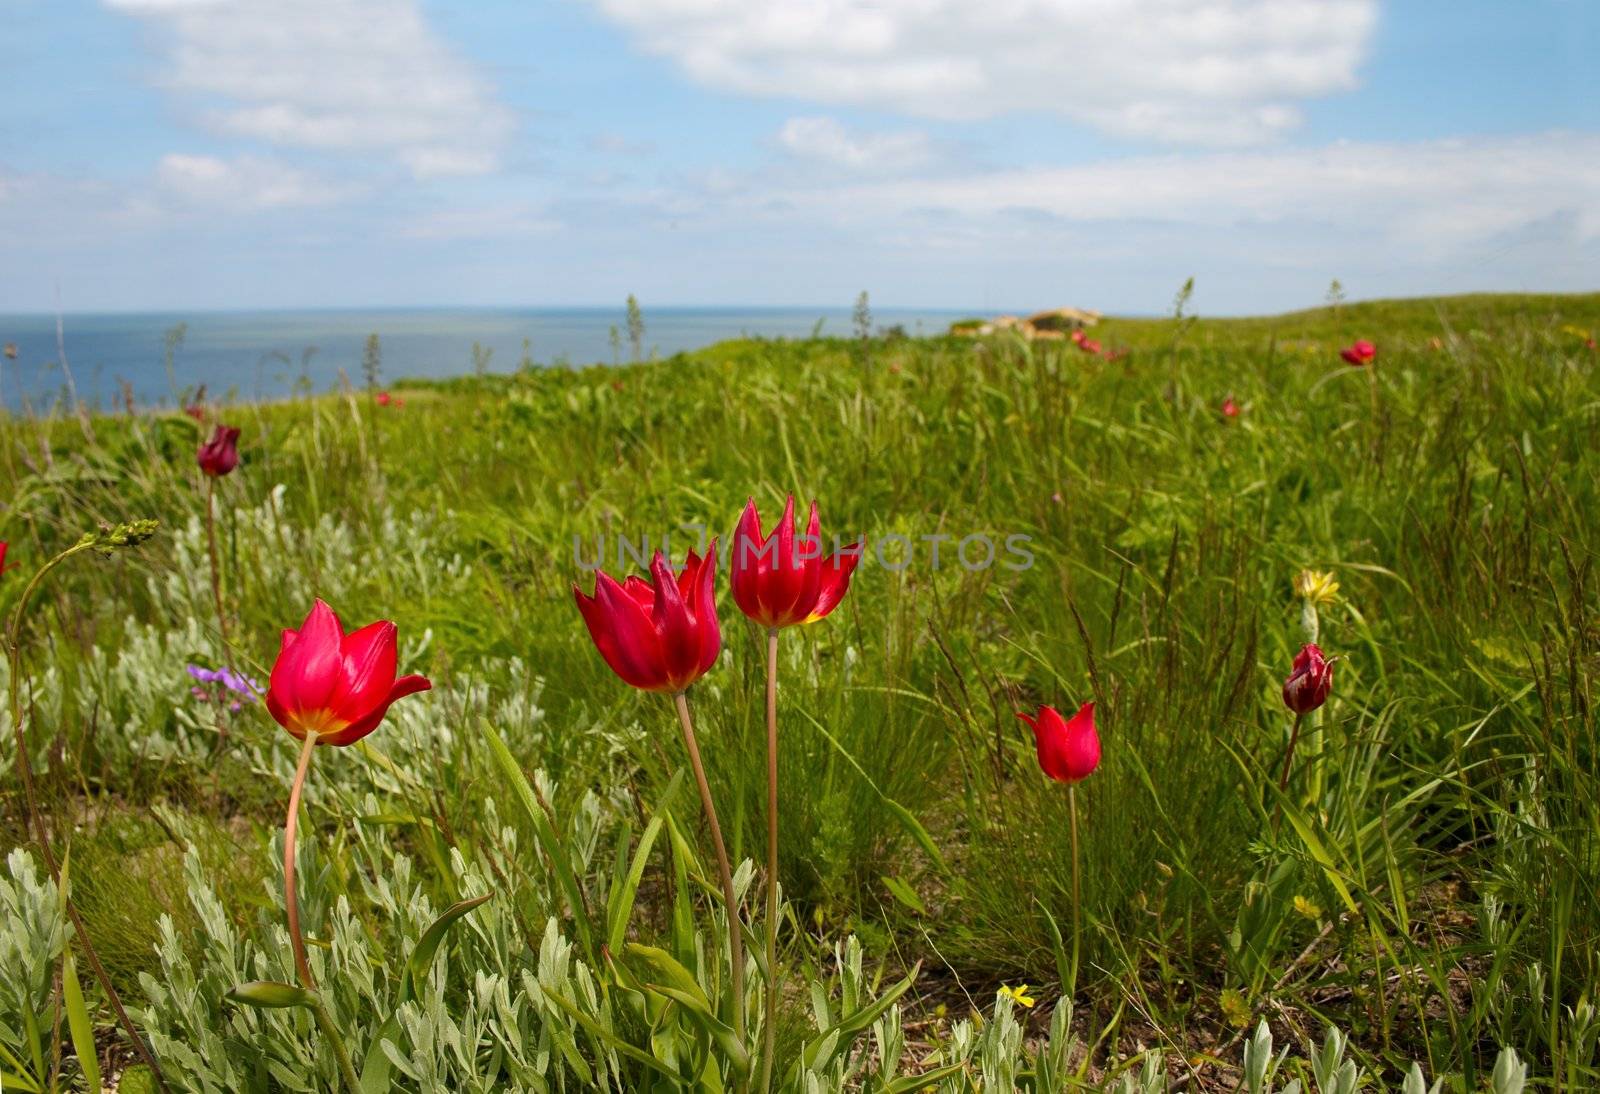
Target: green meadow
{"points": [[1424, 886]]}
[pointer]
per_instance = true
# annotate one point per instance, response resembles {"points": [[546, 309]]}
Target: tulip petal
{"points": [[625, 635], [704, 606], [680, 647], [350, 734], [309, 667], [836, 571], [370, 659]]}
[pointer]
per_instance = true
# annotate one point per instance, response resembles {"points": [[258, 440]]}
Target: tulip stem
{"points": [[1288, 764], [769, 1032], [216, 587], [735, 939], [1077, 903], [291, 896], [297, 942]]}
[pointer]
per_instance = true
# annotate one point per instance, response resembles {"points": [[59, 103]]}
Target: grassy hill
{"points": [[1426, 883]]}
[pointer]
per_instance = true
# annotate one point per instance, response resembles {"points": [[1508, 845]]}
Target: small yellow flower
{"points": [[1316, 586], [1234, 1008], [1305, 907], [1019, 995]]}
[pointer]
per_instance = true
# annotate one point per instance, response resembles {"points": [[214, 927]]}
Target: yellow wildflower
{"points": [[1307, 908], [1234, 1008], [1018, 995], [1316, 586]]}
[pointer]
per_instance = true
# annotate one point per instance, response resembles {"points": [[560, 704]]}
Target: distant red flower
{"points": [[195, 411], [1360, 352], [220, 454], [1588, 343], [1069, 751], [661, 634], [383, 398], [1309, 682], [785, 579], [338, 684], [1230, 409], [1078, 336], [1089, 345], [3, 566]]}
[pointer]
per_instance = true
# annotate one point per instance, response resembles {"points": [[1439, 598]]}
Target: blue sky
{"points": [[199, 154]]}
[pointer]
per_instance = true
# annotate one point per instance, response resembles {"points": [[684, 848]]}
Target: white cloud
{"points": [[1213, 72], [344, 75], [247, 182], [826, 141], [1433, 195]]}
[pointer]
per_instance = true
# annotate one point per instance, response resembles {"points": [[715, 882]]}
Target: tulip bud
{"points": [[1069, 751], [1309, 683], [220, 454]]}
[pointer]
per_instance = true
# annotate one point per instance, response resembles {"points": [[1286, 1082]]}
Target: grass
{"points": [[1430, 889]]}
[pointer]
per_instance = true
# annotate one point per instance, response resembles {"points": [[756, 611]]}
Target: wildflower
{"points": [[1230, 409], [1303, 906], [1436, 343], [1309, 683], [1234, 1008], [784, 579], [3, 546], [1018, 995], [1089, 345], [336, 684], [1361, 352], [220, 454], [1316, 586], [1078, 336], [195, 411], [661, 634], [383, 398], [237, 683], [1069, 751]]}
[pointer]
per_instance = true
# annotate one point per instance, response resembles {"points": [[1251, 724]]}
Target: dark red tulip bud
{"points": [[220, 454], [1309, 683]]}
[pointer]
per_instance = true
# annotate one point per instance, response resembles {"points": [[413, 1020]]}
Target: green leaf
{"points": [[620, 905], [905, 894], [421, 959], [840, 1033], [78, 1023], [270, 994], [909, 1083], [511, 771]]}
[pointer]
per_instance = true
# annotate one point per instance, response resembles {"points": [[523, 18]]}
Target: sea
{"points": [[162, 358]]}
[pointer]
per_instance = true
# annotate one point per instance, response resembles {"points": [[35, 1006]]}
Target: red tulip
{"points": [[1078, 336], [220, 454], [784, 579], [338, 684], [1069, 751], [3, 546], [1309, 683], [1230, 409], [383, 398], [1089, 345], [661, 634], [1359, 353]]}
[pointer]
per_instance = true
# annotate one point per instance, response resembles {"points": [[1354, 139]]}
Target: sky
{"points": [[998, 155]]}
